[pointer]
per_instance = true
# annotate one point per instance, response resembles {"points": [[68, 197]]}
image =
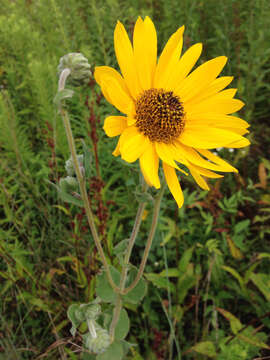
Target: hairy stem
{"points": [[149, 240], [81, 181], [136, 226]]}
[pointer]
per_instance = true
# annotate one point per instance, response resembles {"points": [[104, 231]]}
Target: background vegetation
{"points": [[209, 282]]}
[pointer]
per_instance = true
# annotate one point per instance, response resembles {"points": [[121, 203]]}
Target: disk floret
{"points": [[159, 115]]}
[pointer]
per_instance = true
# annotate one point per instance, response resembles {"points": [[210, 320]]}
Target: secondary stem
{"points": [[119, 302], [149, 240]]}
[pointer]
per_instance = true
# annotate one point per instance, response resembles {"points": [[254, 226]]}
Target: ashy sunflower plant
{"points": [[169, 113]]}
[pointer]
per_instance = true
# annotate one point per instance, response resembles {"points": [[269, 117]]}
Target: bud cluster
{"points": [[97, 339], [79, 68]]}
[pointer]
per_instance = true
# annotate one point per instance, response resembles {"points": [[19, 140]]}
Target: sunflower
{"points": [[170, 113]]}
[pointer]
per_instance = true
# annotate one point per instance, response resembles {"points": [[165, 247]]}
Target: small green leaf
{"points": [[62, 95], [185, 259], [235, 274], [253, 341], [262, 281], [172, 272], [67, 197], [159, 281], [120, 247], [122, 327], [114, 352], [104, 289], [171, 230], [241, 226], [234, 322], [206, 348], [263, 256], [71, 313], [185, 282], [139, 291]]}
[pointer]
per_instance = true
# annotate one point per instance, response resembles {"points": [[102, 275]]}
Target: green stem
{"points": [[90, 217], [149, 240], [84, 196], [119, 302]]}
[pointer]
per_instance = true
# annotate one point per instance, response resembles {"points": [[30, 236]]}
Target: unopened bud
{"points": [[92, 311], [78, 66], [70, 168], [99, 343]]}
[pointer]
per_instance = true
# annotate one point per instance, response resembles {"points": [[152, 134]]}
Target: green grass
{"points": [[217, 241]]}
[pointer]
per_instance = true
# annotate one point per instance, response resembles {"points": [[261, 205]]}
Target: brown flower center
{"points": [[160, 115]]}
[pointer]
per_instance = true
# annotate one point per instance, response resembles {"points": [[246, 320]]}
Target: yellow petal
{"points": [[199, 180], [116, 151], [240, 131], [145, 51], [207, 138], [193, 157], [102, 72], [173, 184], [215, 120], [132, 144], [166, 153], [213, 88], [238, 144], [217, 104], [207, 173], [129, 132], [228, 93], [149, 163], [125, 58], [114, 125], [216, 159], [169, 59], [131, 120], [200, 78], [117, 96], [184, 65]]}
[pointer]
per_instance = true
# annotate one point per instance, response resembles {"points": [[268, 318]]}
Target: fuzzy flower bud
{"points": [[92, 311], [87, 312], [78, 66], [69, 165], [99, 343]]}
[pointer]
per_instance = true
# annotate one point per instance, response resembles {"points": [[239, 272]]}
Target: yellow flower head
{"points": [[171, 114]]}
